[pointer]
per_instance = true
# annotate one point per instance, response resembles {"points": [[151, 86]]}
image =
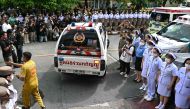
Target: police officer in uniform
{"points": [[139, 19], [111, 21], [135, 19], [116, 21], [122, 17], [126, 15], [143, 23], [106, 19], [95, 17], [6, 74], [131, 17], [100, 16], [147, 19]]}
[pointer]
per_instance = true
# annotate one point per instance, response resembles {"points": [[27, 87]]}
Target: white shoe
{"points": [[126, 76], [122, 73], [158, 107], [145, 97], [149, 99], [145, 87], [162, 107], [142, 87]]}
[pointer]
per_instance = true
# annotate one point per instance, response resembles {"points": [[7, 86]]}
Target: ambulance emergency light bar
{"points": [[81, 26]]}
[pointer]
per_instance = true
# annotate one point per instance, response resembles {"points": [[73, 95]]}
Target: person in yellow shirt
{"points": [[28, 74]]}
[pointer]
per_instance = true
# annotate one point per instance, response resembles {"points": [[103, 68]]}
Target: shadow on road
{"points": [[72, 89], [113, 78]]}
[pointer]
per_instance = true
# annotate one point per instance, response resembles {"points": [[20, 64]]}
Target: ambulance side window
{"points": [[177, 15]]}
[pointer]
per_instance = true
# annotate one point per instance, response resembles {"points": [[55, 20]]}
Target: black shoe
{"points": [[43, 107]]}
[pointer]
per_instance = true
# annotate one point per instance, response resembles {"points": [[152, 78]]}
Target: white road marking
{"points": [[44, 55], [100, 105]]}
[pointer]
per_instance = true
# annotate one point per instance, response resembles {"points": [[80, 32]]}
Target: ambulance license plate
{"points": [[79, 72]]}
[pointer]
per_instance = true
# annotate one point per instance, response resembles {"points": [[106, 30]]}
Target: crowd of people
{"points": [[18, 29], [158, 72]]}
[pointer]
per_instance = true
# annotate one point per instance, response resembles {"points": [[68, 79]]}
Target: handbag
{"points": [[123, 56]]}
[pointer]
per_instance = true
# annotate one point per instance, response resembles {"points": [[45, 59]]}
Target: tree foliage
{"points": [[41, 4]]}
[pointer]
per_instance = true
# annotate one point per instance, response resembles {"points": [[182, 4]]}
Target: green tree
{"points": [[41, 4]]}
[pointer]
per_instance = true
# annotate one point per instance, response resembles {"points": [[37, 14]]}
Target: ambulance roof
{"points": [[181, 10]]}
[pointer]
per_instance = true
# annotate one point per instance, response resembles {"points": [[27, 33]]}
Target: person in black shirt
{"points": [[43, 33], [6, 47], [11, 40], [19, 43]]}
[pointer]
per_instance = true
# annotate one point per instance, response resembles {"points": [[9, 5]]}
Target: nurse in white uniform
{"points": [[154, 67], [182, 95], [147, 53], [166, 79]]}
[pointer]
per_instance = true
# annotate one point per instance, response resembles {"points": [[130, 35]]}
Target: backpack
{"points": [[134, 53]]}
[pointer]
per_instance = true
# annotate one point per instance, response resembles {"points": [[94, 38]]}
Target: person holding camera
{"points": [[32, 31], [12, 40], [126, 57], [19, 43], [43, 33], [6, 47]]}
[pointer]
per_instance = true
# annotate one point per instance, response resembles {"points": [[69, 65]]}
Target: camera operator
{"points": [[32, 30], [19, 43], [43, 33], [6, 47], [12, 40]]}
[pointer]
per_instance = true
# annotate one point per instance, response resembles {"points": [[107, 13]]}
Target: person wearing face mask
{"points": [[182, 88], [144, 65], [126, 57], [8, 73], [139, 55], [148, 37], [166, 79], [154, 67], [136, 41]]}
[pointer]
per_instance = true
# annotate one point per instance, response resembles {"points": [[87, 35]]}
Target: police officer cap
{"points": [[3, 82], [6, 71], [4, 91]]}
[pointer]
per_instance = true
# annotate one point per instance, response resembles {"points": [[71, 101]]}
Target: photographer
{"points": [[43, 33], [19, 43], [6, 47], [11, 41], [32, 30]]}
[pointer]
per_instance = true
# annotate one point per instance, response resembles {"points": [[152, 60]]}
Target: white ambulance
{"points": [[161, 16], [175, 37], [82, 49]]}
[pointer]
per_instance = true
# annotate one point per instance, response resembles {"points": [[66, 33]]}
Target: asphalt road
{"points": [[80, 92]]}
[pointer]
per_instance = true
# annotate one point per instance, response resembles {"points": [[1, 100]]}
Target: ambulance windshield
{"points": [[176, 31], [86, 40]]}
